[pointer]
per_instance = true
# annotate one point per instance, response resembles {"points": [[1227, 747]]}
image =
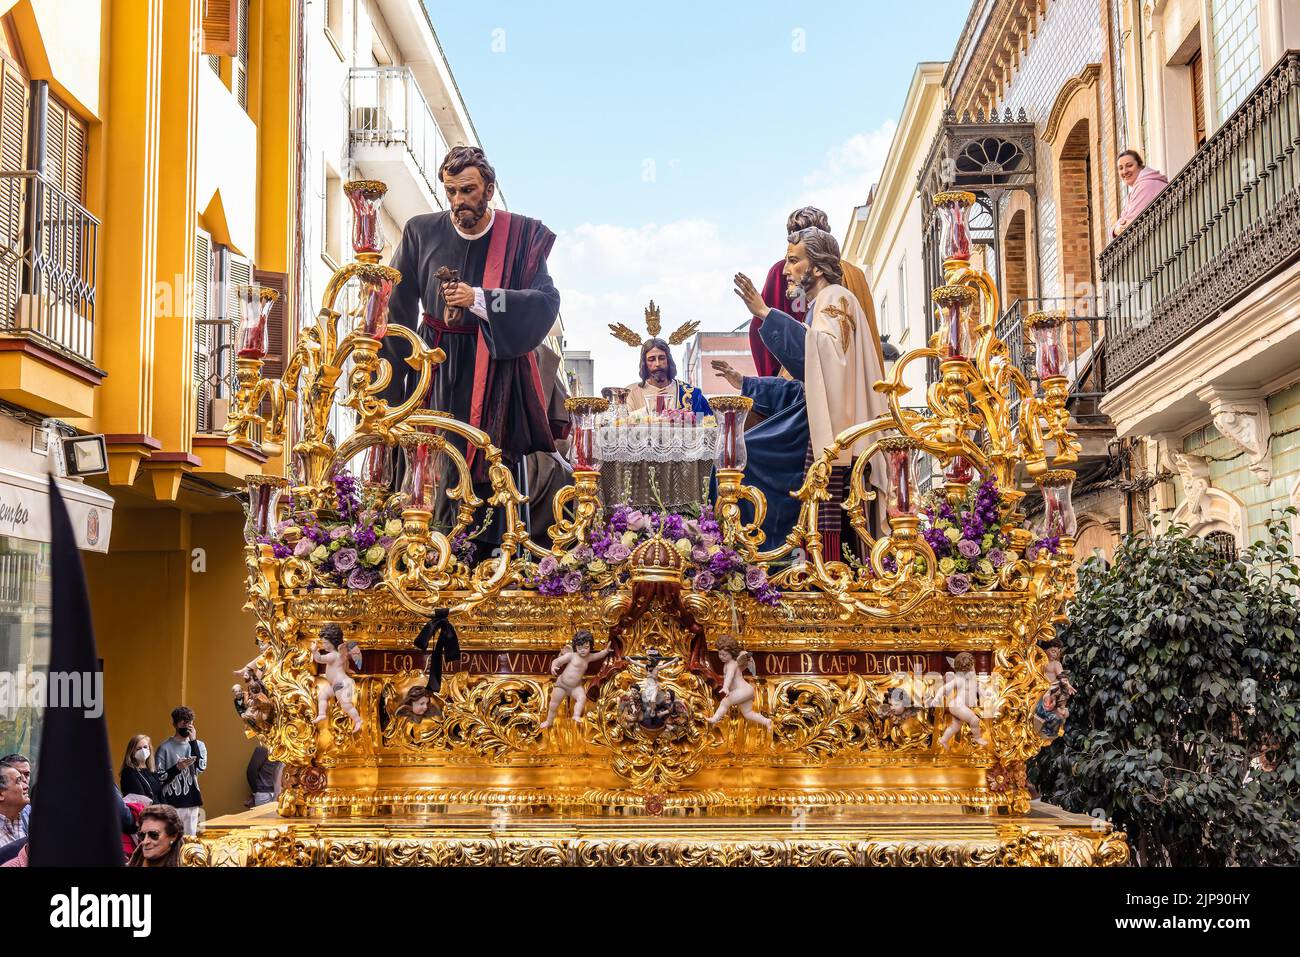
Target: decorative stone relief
{"points": [[1242, 418]]}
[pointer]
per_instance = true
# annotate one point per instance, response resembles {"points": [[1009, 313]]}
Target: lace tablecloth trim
{"points": [[656, 443]]}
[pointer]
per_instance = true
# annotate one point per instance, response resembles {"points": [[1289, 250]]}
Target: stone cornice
{"points": [[1260, 322]]}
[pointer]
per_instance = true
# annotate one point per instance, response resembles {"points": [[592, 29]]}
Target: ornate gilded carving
{"points": [[852, 659]]}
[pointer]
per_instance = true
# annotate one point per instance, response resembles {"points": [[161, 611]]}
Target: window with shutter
{"points": [[240, 65], [1197, 66], [56, 135], [202, 333], [74, 158], [221, 27], [13, 158]]}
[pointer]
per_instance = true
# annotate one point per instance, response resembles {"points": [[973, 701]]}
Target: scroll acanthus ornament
{"points": [[1242, 418]]}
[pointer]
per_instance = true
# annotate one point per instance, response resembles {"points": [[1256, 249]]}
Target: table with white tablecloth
{"points": [[672, 458]]}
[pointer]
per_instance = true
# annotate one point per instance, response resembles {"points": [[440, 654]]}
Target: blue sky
{"points": [[666, 142]]}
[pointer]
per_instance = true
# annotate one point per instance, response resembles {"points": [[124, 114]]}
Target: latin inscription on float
{"points": [[770, 664], [376, 661], [779, 664]]}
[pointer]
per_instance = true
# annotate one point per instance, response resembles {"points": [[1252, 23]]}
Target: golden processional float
{"points": [[896, 694]]}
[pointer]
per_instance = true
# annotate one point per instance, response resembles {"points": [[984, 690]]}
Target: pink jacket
{"points": [[1146, 188]]}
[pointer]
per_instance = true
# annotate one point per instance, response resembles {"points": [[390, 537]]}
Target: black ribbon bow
{"points": [[442, 632]]}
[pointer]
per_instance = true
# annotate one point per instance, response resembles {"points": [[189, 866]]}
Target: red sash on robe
{"points": [[496, 275]]}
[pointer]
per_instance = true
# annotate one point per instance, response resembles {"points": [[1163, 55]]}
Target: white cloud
{"points": [[845, 179], [607, 273]]}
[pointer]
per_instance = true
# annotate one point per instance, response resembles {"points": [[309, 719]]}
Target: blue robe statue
{"points": [[777, 447]]}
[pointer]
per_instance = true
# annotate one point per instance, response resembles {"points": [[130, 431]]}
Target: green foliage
{"points": [[1184, 730]]}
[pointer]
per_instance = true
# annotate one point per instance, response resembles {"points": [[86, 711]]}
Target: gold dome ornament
{"points": [[657, 560]]}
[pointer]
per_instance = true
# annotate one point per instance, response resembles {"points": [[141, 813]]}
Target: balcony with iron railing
{"points": [[48, 250], [1225, 225], [215, 385], [48, 244], [1085, 355], [394, 137]]}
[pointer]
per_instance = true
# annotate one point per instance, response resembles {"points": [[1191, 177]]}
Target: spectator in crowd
{"points": [[23, 766], [263, 777], [160, 837], [1144, 185], [13, 800], [130, 813], [14, 854], [181, 759], [139, 777]]}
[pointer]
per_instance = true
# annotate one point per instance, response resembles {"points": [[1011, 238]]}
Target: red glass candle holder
{"points": [[1048, 332], [1059, 519], [584, 418], [367, 198], [377, 466], [730, 412], [900, 491], [953, 208], [255, 304], [421, 452], [953, 317], [264, 492], [959, 471], [377, 284]]}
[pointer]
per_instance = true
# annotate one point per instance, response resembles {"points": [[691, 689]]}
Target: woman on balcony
{"points": [[1144, 185]]}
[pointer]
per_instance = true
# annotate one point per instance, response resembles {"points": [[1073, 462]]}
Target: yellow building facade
{"points": [[170, 128]]}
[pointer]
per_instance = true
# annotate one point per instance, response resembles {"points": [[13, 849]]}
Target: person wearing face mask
{"points": [[160, 838], [181, 759], [139, 779]]}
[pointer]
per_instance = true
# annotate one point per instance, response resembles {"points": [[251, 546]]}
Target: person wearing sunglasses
{"points": [[160, 838]]}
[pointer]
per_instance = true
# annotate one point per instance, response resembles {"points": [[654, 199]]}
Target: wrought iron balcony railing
{"points": [[1227, 222], [387, 108], [1085, 350], [48, 246]]}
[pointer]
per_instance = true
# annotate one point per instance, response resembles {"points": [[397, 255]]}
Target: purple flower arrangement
{"points": [[967, 538], [710, 565], [347, 553]]}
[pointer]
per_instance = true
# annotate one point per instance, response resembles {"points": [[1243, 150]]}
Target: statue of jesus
{"points": [[659, 378]]}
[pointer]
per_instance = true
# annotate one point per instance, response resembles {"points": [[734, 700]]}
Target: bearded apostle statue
{"points": [[833, 362]]}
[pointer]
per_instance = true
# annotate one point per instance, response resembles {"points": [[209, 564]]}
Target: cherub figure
{"points": [[331, 652], [902, 717], [251, 674], [570, 668], [1051, 713], [736, 691], [1055, 669], [417, 704], [961, 688]]}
